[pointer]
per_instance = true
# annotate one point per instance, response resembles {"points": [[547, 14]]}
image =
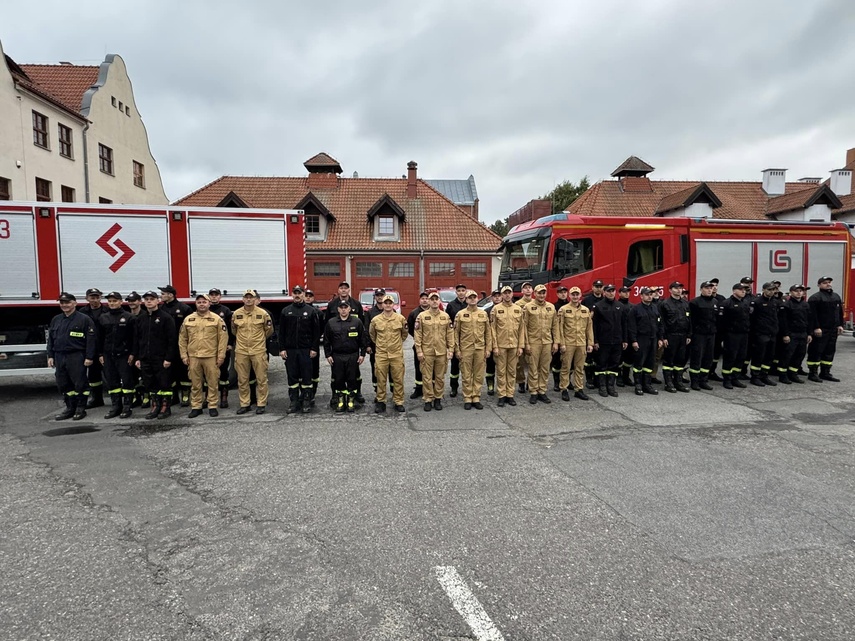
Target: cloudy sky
{"points": [[521, 95]]}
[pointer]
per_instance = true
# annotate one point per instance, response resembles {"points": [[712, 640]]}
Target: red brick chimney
{"points": [[412, 180]]}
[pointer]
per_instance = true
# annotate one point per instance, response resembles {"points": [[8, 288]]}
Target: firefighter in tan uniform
{"points": [[202, 342], [251, 326], [541, 342], [473, 342], [387, 332], [527, 297], [434, 339], [576, 341], [506, 323]]}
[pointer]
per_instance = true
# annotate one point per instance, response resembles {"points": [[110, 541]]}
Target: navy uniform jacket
{"points": [[74, 333]]}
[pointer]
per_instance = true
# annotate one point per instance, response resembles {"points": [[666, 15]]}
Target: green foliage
{"points": [[501, 227], [563, 195]]}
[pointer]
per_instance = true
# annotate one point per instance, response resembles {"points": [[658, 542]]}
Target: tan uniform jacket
{"points": [[507, 326], [541, 324], [472, 331], [203, 336], [251, 330], [433, 334], [575, 326], [388, 334], [522, 302]]}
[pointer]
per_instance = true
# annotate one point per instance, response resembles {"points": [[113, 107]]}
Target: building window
{"points": [[474, 270], [67, 194], [113, 100], [40, 130], [313, 224], [104, 201], [5, 189], [139, 175], [42, 190], [645, 257], [324, 270], [386, 226], [121, 106], [127, 111], [441, 269], [402, 270], [65, 148], [105, 158], [369, 270]]}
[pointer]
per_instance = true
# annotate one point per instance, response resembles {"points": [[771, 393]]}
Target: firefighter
{"points": [[115, 342], [252, 326], [316, 360], [472, 343], [433, 338], [827, 315], [355, 310], [71, 347], [677, 331], [735, 326], [506, 322], [645, 335], [490, 367], [747, 283], [718, 346], [589, 301], [575, 342], [657, 290], [202, 342], [628, 355], [527, 291], [376, 310], [388, 332], [704, 310], [610, 339], [93, 309], [155, 350], [764, 331], [451, 309], [345, 344], [179, 311], [411, 328], [225, 313], [141, 398], [298, 340], [793, 333], [555, 365], [541, 332]]}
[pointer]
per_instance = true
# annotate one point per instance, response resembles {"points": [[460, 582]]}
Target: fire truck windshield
{"points": [[524, 257]]}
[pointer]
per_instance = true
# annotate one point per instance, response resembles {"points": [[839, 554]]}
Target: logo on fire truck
{"points": [[104, 243], [779, 262]]}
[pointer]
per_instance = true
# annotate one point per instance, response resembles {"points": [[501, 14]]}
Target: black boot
{"points": [[647, 384], [305, 400], [825, 374], [115, 407], [491, 385], [794, 378], [80, 410], [165, 408], [555, 378], [766, 380], [590, 377], [715, 377], [679, 383], [784, 379], [757, 379], [340, 406], [696, 381], [639, 391], [668, 375], [703, 383], [813, 376], [96, 397], [224, 397], [185, 396], [127, 406], [601, 383], [726, 383], [735, 380], [68, 412], [611, 379], [417, 392], [155, 407], [454, 385]]}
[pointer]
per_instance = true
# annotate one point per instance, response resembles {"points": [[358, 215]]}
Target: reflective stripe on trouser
{"points": [[538, 368], [345, 368], [762, 353], [433, 377], [573, 357], [199, 369], [472, 365], [608, 359], [822, 348], [258, 364], [506, 371], [735, 347], [792, 354], [701, 353], [70, 373], [645, 355], [383, 368]]}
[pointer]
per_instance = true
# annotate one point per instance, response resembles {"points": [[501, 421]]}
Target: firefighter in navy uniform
{"points": [[795, 323], [704, 310], [411, 328], [589, 301], [718, 346], [316, 360], [134, 301], [155, 350], [555, 365], [71, 347], [827, 315], [345, 343], [645, 336], [734, 326], [748, 284], [219, 309], [458, 304], [179, 311], [628, 355], [93, 310], [298, 340], [610, 339], [764, 332], [355, 310], [677, 330], [115, 342]]}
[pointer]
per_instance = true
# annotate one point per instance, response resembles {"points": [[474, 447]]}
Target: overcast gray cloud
{"points": [[522, 95]]}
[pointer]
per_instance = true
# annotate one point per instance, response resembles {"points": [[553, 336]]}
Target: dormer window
{"points": [[386, 217], [385, 225], [316, 216], [313, 224]]}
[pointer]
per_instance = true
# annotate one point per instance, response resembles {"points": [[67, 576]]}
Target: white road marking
{"points": [[466, 604]]}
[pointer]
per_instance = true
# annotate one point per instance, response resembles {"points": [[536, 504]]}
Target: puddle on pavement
{"points": [[69, 431]]}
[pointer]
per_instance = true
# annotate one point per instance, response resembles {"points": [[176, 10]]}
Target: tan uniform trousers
{"points": [[538, 368], [203, 368], [573, 358], [258, 363], [433, 377], [383, 367], [506, 371], [472, 366]]}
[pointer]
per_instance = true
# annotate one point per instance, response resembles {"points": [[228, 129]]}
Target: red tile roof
{"points": [[322, 159], [433, 223], [66, 84]]}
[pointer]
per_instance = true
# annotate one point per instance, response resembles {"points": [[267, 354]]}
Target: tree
{"points": [[501, 227], [563, 195]]}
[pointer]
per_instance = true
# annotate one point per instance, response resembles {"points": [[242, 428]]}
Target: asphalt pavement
{"points": [[709, 515]]}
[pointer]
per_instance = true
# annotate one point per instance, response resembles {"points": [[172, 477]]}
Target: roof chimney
{"points": [[775, 181], [841, 182], [411, 179]]}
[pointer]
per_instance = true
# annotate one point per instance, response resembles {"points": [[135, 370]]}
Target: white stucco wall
{"points": [[813, 213], [695, 210]]}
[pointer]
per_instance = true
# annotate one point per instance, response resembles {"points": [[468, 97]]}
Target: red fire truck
{"points": [[48, 248], [563, 249]]}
